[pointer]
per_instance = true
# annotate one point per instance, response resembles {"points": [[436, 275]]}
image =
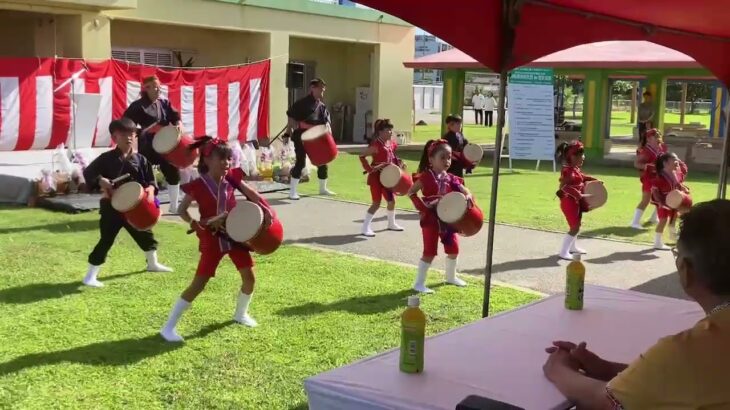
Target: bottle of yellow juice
{"points": [[413, 335], [575, 277]]}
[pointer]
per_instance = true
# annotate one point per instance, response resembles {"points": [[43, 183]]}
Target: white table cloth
{"points": [[501, 357]]}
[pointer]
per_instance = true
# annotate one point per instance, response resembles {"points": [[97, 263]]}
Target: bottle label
{"points": [[411, 352], [574, 292]]}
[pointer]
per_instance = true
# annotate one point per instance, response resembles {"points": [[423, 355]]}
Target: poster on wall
{"points": [[531, 114]]}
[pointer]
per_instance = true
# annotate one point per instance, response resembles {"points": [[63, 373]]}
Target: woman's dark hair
{"points": [[423, 165], [219, 148], [561, 152], [378, 125], [705, 240], [661, 159]]}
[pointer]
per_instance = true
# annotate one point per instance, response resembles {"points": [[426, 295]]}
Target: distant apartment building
{"points": [[427, 44]]}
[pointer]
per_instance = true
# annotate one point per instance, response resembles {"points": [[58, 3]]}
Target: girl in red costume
{"points": [[434, 182], [572, 202], [650, 147], [670, 175], [382, 150], [214, 191]]}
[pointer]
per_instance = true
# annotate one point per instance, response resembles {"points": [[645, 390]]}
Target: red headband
{"points": [[573, 148], [435, 144], [207, 149], [652, 133]]}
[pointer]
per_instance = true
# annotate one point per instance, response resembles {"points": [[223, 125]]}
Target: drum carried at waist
{"points": [[319, 144], [596, 194], [464, 215], [679, 201], [473, 153], [174, 147], [396, 179], [137, 205], [245, 224]]}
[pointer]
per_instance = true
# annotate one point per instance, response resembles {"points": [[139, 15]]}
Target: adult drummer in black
{"points": [[150, 112], [303, 114]]}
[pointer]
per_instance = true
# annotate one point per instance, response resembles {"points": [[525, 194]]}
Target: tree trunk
{"points": [[575, 102], [683, 103]]}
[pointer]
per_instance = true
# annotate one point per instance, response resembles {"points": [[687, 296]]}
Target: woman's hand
{"points": [[215, 224], [106, 184], [589, 362], [558, 361], [267, 219]]}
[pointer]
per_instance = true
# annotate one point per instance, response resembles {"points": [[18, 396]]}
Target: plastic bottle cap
{"points": [[414, 301], [576, 256]]}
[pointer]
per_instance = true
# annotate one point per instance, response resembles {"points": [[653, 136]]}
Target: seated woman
{"points": [[685, 371]]}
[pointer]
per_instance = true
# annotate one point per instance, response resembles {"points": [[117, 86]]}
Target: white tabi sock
{"points": [[174, 192], [565, 250], [241, 315], [168, 331], [659, 243], [391, 222], [636, 223], [451, 273], [420, 283], [90, 278], [153, 265], [366, 229], [293, 182]]}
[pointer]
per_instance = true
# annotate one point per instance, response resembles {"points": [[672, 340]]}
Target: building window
{"points": [[149, 56]]}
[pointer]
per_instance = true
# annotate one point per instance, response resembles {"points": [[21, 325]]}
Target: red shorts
{"points": [[378, 191], [211, 257], [431, 242], [665, 213], [571, 210]]}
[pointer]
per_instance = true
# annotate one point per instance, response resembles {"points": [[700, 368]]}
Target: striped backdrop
{"points": [[35, 99]]}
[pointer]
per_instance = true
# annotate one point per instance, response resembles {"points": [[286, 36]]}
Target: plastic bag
{"points": [[48, 182], [61, 160], [248, 160], [237, 154]]}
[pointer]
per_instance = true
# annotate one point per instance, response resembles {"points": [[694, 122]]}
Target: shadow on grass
{"points": [[330, 240], [642, 255], [300, 406], [667, 285], [621, 231], [36, 292], [116, 353], [546, 262], [60, 227], [361, 305]]}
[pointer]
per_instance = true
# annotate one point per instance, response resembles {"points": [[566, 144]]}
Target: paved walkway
{"points": [[522, 257]]}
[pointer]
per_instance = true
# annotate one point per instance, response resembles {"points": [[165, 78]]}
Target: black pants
{"points": [[110, 223], [171, 173], [488, 117], [301, 162], [478, 116]]}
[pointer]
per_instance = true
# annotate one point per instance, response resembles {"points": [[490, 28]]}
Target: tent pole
{"points": [[495, 186], [722, 185]]}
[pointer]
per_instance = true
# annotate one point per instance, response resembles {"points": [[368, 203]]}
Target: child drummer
{"points": [[650, 147], [214, 191], [434, 182], [382, 150], [100, 173], [457, 142], [670, 175], [572, 198]]}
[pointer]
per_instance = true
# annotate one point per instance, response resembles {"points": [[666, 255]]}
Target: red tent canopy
{"points": [[700, 28]]}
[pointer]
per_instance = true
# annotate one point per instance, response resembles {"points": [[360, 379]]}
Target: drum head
{"points": [[390, 176], [597, 192], [166, 139], [674, 199], [452, 207], [127, 196], [315, 132], [244, 221], [473, 152]]}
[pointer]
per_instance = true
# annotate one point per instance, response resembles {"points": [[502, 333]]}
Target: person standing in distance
{"points": [[306, 113]]}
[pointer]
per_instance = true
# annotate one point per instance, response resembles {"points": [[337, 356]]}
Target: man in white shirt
{"points": [[489, 105], [477, 101]]}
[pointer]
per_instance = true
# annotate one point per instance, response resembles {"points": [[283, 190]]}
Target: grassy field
{"points": [[66, 346], [527, 198], [620, 127]]}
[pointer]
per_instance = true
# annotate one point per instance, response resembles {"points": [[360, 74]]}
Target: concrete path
{"points": [[522, 257]]}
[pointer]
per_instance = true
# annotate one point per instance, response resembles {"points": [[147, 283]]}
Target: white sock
{"points": [[174, 192], [153, 265], [90, 278], [366, 229], [637, 217], [323, 188], [293, 182], [653, 218], [420, 283], [168, 331], [574, 248], [658, 242], [672, 233], [565, 250], [391, 222], [241, 316], [451, 273]]}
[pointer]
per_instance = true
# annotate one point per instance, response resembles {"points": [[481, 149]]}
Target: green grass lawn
{"points": [[474, 133], [66, 346], [622, 127], [527, 198]]}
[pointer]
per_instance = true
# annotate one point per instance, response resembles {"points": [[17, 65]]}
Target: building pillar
{"points": [[717, 120], [85, 35], [596, 113], [391, 84], [452, 95], [656, 84]]}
